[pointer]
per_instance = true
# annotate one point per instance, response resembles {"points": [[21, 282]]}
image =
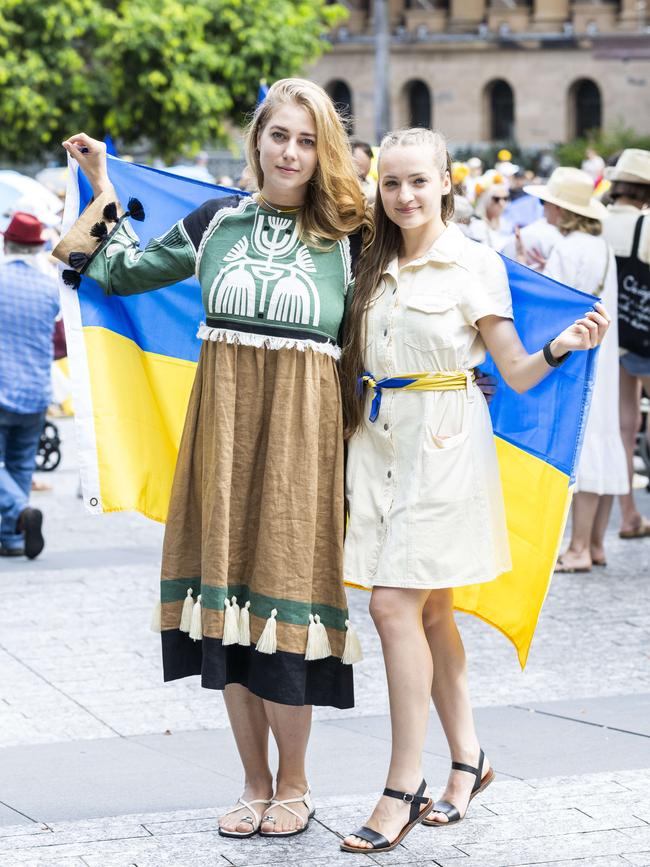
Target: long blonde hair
{"points": [[334, 205], [381, 245]]}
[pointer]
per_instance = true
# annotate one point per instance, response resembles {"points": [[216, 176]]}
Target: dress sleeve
{"points": [[487, 292], [103, 245]]}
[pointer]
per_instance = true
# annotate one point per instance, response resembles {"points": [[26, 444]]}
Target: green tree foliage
{"points": [[174, 72], [605, 142]]}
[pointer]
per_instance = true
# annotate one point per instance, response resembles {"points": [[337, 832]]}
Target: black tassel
{"points": [[78, 260], [110, 212], [136, 211], [99, 231], [71, 278]]}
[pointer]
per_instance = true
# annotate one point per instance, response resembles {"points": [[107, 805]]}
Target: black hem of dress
{"points": [[281, 677]]}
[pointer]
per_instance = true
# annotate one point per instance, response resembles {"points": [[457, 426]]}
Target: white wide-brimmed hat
{"points": [[571, 189], [633, 166]]}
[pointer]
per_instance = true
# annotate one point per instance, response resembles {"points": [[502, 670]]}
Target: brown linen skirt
{"points": [[257, 512]]}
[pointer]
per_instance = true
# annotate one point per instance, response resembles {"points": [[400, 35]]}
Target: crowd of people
{"points": [[588, 228], [267, 516]]}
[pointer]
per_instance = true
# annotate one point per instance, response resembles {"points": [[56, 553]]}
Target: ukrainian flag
{"points": [[538, 438], [133, 361]]}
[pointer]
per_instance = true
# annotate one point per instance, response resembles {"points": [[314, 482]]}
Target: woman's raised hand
{"points": [[91, 156], [585, 333]]}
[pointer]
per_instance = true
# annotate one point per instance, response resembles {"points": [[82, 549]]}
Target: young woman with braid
{"points": [[422, 475]]}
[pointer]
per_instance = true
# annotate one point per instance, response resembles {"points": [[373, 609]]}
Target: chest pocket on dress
{"points": [[429, 322]]}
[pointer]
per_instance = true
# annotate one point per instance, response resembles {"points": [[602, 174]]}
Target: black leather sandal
{"points": [[416, 815], [452, 812]]}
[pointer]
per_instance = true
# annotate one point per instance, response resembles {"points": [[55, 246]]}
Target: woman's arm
{"points": [[91, 156], [114, 257], [522, 371]]}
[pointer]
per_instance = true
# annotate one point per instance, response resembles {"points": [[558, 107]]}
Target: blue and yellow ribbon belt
{"points": [[455, 380]]}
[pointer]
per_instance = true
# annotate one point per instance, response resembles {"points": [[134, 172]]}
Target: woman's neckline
{"points": [[286, 211]]}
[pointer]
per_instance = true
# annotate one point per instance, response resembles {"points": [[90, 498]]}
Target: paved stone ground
{"points": [[77, 663], [598, 820]]}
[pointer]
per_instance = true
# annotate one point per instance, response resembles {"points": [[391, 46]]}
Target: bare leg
{"points": [[291, 727], [599, 528], [577, 555], [629, 397], [251, 730], [397, 614], [450, 695]]}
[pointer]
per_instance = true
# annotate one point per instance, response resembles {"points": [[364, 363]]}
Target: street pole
{"points": [[382, 73]]}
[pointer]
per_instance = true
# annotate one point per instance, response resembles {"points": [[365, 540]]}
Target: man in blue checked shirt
{"points": [[29, 303]]}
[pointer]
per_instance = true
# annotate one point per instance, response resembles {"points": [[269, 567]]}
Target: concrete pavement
{"points": [[102, 764]]}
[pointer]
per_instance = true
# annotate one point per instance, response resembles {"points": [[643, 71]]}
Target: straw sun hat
{"points": [[633, 166], [571, 189]]}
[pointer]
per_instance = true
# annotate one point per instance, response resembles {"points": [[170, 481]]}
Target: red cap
{"points": [[24, 229]]}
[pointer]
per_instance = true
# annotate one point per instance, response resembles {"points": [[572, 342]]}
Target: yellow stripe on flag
{"points": [[537, 499], [139, 403]]}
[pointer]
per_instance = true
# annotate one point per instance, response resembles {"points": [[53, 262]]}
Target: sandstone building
{"points": [[531, 71]]}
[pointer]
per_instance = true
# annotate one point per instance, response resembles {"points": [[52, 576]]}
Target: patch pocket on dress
{"points": [[428, 322], [447, 469]]}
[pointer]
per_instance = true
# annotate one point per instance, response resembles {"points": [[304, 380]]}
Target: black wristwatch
{"points": [[550, 359]]}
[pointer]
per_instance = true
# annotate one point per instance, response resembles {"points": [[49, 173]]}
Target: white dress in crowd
{"points": [[422, 481], [582, 261]]}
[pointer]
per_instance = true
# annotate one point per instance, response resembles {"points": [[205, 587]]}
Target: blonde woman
{"points": [[489, 225], [422, 475], [254, 535], [583, 259]]}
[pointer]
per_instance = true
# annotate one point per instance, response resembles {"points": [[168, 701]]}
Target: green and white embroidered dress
{"points": [[257, 509]]}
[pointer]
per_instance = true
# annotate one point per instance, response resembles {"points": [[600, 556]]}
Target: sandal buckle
{"points": [[408, 798]]}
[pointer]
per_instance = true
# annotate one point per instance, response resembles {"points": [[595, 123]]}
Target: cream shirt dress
{"points": [[422, 481]]}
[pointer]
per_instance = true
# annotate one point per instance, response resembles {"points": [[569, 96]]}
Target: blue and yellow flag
{"points": [[133, 361], [538, 436]]}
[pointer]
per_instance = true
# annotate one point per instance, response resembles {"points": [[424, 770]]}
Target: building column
{"points": [[466, 13], [550, 14], [633, 14]]}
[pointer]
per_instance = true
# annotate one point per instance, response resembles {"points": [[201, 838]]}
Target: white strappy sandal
{"points": [[304, 799], [255, 820]]}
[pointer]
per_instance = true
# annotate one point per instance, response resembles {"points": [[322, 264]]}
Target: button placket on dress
{"points": [[390, 477]]}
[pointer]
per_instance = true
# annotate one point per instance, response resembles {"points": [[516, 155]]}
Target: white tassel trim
{"points": [[268, 642], [245, 626], [196, 628], [318, 645], [243, 338], [186, 613], [231, 621], [156, 618], [352, 651]]}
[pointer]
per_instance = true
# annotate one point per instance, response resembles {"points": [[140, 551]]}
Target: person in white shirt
{"points": [[593, 164], [537, 240], [583, 259], [627, 229]]}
